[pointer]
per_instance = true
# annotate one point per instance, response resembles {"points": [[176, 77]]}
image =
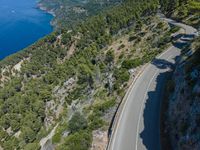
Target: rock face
{"points": [[45, 142], [184, 106], [99, 140], [48, 146]]}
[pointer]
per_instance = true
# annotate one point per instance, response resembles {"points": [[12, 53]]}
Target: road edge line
{"points": [[123, 101]]}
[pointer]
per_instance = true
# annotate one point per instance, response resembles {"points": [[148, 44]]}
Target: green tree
{"points": [[77, 122], [28, 134], [32, 146], [78, 141], [109, 56]]}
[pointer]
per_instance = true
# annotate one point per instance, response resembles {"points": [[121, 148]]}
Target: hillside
{"points": [[68, 85], [69, 12], [63, 91], [182, 116], [181, 119]]}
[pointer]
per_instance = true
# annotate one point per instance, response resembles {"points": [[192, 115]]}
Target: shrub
{"points": [[109, 56], [95, 122], [32, 146], [131, 63], [131, 38], [121, 75], [160, 25], [121, 46], [79, 141], [77, 122], [56, 138]]}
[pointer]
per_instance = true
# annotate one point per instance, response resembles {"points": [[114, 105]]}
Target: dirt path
{"points": [[45, 140]]}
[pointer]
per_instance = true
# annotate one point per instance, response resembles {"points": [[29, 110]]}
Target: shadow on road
{"points": [[162, 63], [151, 134], [183, 40]]}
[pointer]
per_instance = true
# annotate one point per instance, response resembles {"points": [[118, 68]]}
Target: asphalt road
{"points": [[138, 126]]}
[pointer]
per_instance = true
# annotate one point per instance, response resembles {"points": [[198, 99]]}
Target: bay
{"points": [[21, 24]]}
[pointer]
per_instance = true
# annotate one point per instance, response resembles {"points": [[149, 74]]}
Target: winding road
{"points": [[137, 127]]}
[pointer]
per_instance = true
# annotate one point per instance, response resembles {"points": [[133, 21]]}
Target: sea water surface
{"points": [[21, 24]]}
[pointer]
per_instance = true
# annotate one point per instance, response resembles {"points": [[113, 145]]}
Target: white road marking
{"points": [[137, 131], [145, 95], [125, 104], [111, 145]]}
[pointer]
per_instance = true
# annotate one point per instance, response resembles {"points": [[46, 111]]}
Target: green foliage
{"points": [[28, 134], [78, 141], [194, 6], [69, 12], [32, 146], [132, 37], [85, 74], [95, 121], [184, 10], [101, 108], [160, 25], [56, 138], [109, 56], [174, 29], [59, 132], [47, 65], [121, 75], [121, 46], [11, 144], [131, 63], [77, 122]]}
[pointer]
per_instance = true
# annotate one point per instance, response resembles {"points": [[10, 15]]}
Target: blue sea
{"points": [[21, 24]]}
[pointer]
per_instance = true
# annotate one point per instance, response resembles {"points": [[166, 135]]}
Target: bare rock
{"points": [[100, 140]]}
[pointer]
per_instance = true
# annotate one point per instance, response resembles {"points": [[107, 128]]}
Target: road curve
{"points": [[137, 127]]}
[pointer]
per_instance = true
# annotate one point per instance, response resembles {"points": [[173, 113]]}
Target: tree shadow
{"points": [[151, 133], [182, 40], [162, 63]]}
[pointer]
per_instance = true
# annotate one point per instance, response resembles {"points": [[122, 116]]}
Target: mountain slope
{"points": [[69, 12], [76, 77], [181, 119]]}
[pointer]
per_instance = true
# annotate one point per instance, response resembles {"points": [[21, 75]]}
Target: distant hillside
{"points": [[69, 12]]}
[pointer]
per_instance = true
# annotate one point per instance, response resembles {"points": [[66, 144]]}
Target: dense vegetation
{"points": [[72, 77], [187, 11], [69, 12]]}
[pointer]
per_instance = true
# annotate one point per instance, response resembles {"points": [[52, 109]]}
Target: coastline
{"points": [[43, 8], [10, 50]]}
